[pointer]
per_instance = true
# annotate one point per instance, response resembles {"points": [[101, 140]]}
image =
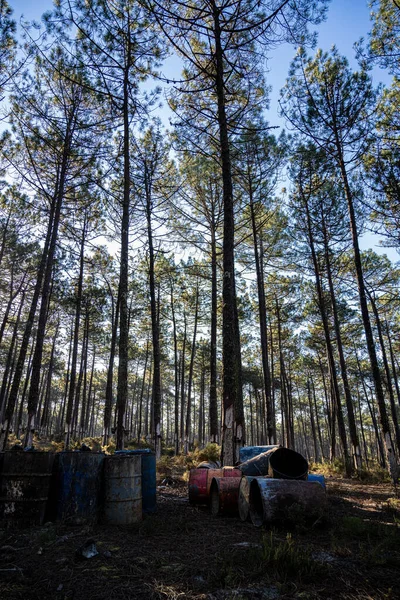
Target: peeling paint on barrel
{"points": [[149, 478], [24, 487], [272, 499], [224, 472], [122, 489], [224, 494], [198, 486], [247, 452], [76, 484]]}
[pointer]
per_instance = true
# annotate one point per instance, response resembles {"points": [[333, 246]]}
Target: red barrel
{"points": [[198, 486], [224, 472], [224, 494]]}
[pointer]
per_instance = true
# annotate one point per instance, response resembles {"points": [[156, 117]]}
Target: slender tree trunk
{"points": [[72, 378], [328, 342], [12, 398], [176, 372], [343, 367], [387, 371], [110, 374], [122, 386], [233, 424], [262, 315], [190, 377], [213, 408], [376, 374], [10, 355]]}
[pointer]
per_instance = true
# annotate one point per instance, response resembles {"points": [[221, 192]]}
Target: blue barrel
{"points": [[25, 484], [77, 481], [149, 500], [318, 478], [248, 452], [122, 489]]}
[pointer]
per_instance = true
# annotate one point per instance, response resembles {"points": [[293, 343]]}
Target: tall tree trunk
{"points": [[213, 407], [176, 372], [13, 395], [190, 378], [122, 386], [72, 378], [110, 373], [233, 424], [328, 342], [343, 367], [10, 355], [155, 329], [262, 315], [387, 371], [376, 374]]}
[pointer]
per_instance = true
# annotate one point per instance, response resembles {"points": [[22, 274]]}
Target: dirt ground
{"points": [[184, 552]]}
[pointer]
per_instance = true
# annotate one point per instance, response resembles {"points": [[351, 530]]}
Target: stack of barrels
{"points": [[271, 483], [76, 486]]}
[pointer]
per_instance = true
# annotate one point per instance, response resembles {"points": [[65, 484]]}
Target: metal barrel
{"points": [[280, 463], [122, 489], [224, 472], [208, 464], [198, 486], [318, 478], [224, 494], [149, 479], [25, 484], [244, 495], [287, 464], [279, 499], [258, 466], [247, 452], [77, 482]]}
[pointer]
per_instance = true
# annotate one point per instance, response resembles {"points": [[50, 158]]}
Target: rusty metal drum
{"points": [[224, 472], [224, 494], [77, 480], [25, 484], [122, 489], [198, 486], [273, 500]]}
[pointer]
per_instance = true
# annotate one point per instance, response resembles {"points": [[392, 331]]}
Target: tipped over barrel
{"points": [[273, 500], [247, 452], [280, 463], [224, 494]]}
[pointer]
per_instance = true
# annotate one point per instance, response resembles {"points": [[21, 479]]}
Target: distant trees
{"points": [[161, 288]]}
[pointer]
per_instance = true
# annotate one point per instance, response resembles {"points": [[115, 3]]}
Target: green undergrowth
{"points": [[275, 561], [375, 474], [178, 466], [373, 543]]}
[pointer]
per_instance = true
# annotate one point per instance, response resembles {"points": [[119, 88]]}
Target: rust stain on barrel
{"points": [[224, 494], [198, 486]]}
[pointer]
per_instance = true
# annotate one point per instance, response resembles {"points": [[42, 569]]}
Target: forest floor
{"points": [[183, 552]]}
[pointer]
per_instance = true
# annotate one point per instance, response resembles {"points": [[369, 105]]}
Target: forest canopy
{"points": [[202, 282]]}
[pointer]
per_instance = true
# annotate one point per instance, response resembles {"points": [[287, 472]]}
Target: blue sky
{"points": [[347, 21]]}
